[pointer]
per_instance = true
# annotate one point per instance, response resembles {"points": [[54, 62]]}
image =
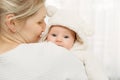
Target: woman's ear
{"points": [[10, 22]]}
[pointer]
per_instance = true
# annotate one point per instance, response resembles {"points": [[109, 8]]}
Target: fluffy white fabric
{"points": [[93, 67], [40, 61], [70, 19]]}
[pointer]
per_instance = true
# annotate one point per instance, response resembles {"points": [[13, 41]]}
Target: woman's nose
{"points": [[44, 26]]}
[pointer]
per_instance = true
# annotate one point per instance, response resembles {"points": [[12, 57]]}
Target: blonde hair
{"points": [[22, 9]]}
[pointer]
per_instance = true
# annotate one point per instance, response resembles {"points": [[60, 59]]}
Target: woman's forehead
{"points": [[41, 14]]}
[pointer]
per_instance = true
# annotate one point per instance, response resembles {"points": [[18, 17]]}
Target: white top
{"points": [[40, 61]]}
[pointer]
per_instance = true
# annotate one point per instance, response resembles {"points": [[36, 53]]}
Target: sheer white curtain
{"points": [[104, 16], [106, 39]]}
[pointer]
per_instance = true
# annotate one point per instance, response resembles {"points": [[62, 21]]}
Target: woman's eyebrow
{"points": [[42, 18]]}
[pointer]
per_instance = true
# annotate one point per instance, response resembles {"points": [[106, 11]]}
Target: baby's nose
{"points": [[59, 39]]}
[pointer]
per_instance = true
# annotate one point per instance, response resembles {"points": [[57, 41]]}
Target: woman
{"points": [[21, 57]]}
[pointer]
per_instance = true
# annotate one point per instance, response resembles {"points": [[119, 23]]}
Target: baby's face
{"points": [[61, 36]]}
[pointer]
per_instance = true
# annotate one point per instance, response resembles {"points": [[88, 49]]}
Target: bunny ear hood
{"points": [[71, 20]]}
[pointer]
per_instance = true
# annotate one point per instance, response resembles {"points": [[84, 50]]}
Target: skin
{"points": [[22, 32], [33, 27], [61, 36]]}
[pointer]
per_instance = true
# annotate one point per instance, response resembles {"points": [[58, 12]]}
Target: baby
{"points": [[62, 36], [66, 29]]}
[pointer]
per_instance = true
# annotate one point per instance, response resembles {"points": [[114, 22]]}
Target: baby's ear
{"points": [[51, 10]]}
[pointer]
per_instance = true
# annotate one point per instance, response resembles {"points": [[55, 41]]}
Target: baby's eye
{"points": [[66, 36], [54, 35]]}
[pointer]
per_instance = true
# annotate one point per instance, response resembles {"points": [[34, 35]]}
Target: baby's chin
{"points": [[68, 48]]}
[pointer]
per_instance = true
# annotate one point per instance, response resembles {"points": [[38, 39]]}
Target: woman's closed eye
{"points": [[41, 22]]}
